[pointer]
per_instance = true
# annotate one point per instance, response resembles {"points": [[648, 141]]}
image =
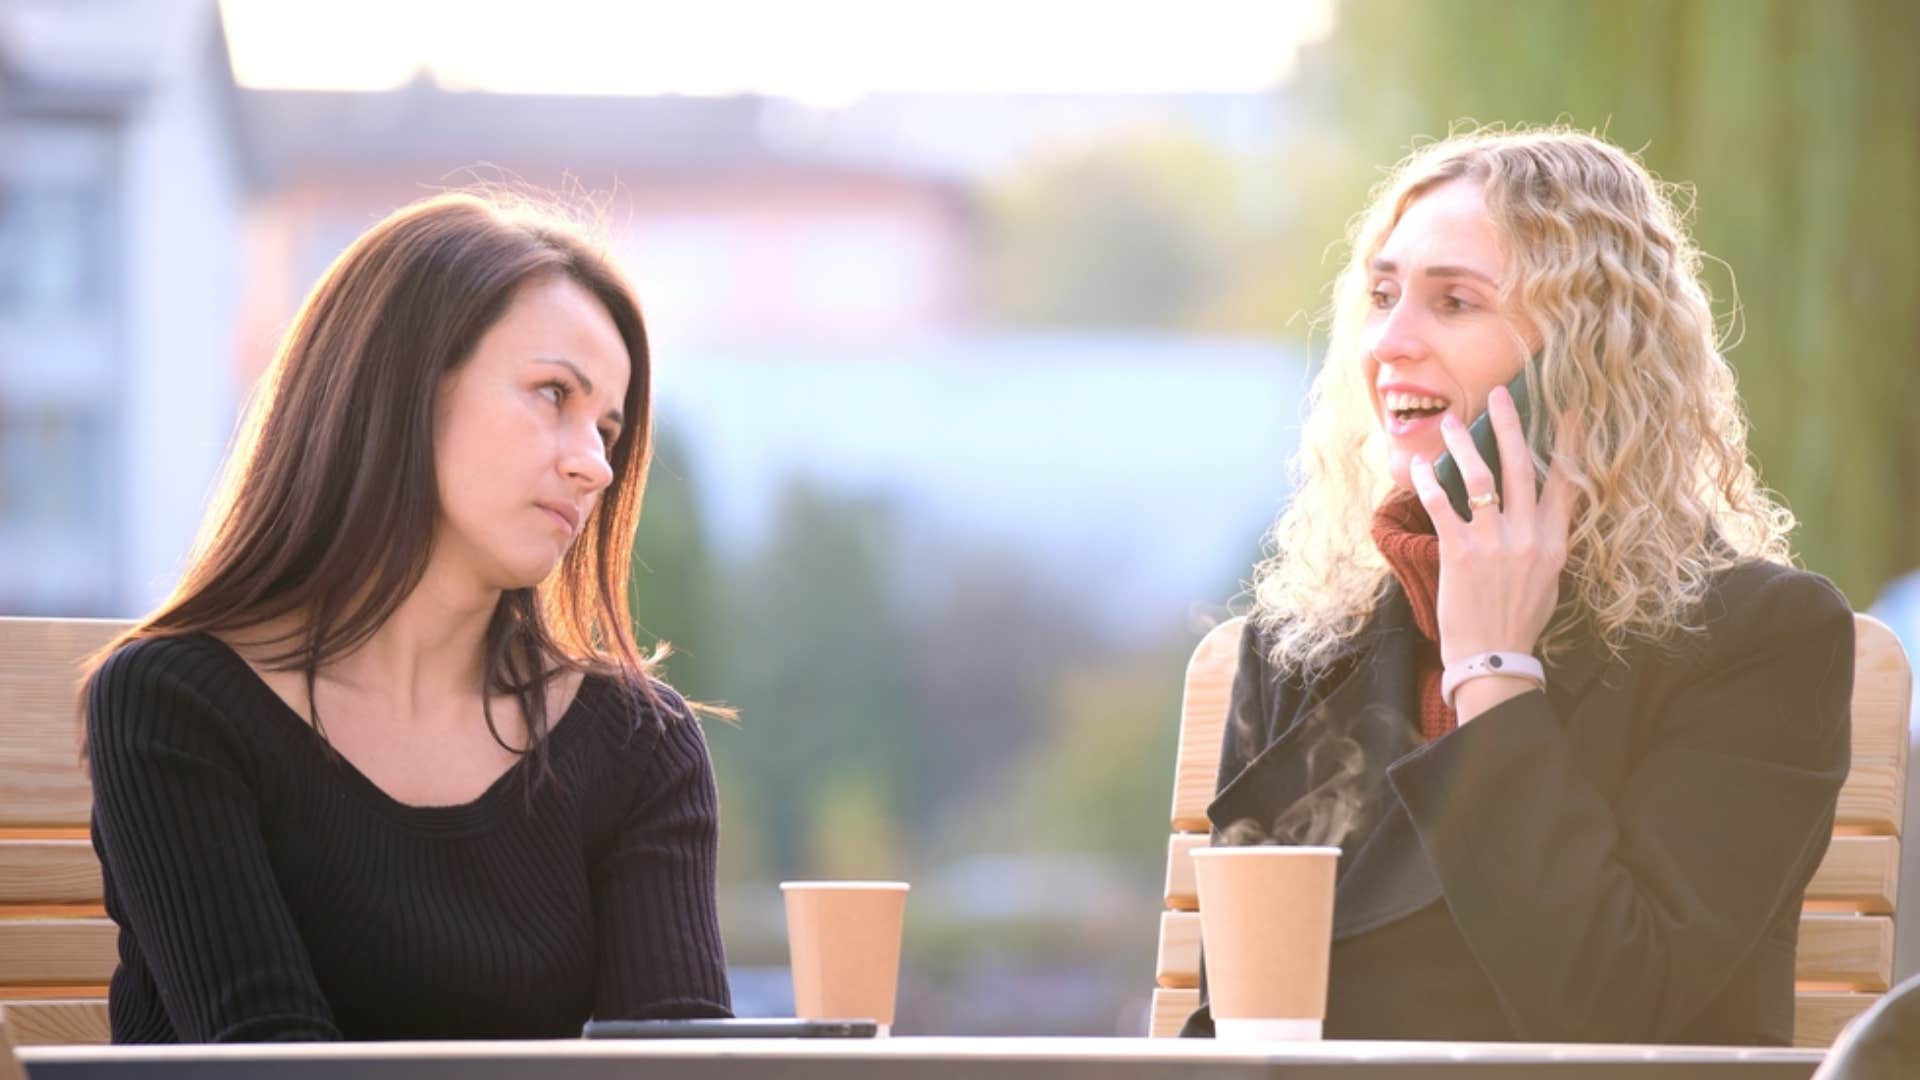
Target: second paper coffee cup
{"points": [[1266, 925], [843, 939]]}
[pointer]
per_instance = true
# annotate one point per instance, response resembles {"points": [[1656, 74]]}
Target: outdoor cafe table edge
{"points": [[914, 1058]]}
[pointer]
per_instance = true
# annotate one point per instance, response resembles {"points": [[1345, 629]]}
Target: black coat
{"points": [[1619, 858]]}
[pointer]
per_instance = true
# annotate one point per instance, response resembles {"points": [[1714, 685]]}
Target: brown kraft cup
{"points": [[1266, 927], [843, 938]]}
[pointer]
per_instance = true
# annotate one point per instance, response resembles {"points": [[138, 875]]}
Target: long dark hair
{"points": [[328, 508]]}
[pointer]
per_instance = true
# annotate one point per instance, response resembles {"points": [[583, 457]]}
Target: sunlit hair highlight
{"points": [[1630, 370]]}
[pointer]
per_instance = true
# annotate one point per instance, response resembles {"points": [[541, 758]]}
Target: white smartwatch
{"points": [[1479, 665]]}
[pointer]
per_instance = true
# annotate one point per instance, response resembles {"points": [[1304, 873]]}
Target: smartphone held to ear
{"points": [[1447, 471]]}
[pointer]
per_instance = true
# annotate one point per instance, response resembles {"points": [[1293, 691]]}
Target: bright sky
{"points": [[815, 50]]}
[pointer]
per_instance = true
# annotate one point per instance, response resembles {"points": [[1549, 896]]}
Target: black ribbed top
{"points": [[266, 889]]}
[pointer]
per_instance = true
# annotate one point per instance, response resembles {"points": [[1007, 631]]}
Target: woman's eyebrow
{"points": [[1388, 266]]}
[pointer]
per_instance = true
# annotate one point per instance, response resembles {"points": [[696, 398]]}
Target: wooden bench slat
{"points": [[1869, 801], [1860, 874], [1854, 951], [53, 911], [54, 992], [62, 951], [41, 781], [1872, 797], [1819, 1016], [1182, 892], [1179, 956], [48, 872], [1171, 1007], [55, 1023], [1203, 709]]}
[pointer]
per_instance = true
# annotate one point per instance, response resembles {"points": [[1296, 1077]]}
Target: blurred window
{"points": [[59, 320], [56, 219]]}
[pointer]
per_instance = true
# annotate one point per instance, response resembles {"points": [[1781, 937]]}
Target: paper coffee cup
{"points": [[843, 939], [1266, 925]]}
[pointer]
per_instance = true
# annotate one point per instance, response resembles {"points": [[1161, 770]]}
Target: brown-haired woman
{"points": [[388, 762]]}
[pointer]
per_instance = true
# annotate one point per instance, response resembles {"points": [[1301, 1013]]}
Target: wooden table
{"points": [[910, 1058]]}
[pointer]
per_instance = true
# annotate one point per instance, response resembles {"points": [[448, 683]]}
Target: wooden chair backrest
{"points": [[1847, 927], [10, 1067], [57, 947]]}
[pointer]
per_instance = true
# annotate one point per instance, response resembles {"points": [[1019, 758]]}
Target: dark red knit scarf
{"points": [[1404, 535]]}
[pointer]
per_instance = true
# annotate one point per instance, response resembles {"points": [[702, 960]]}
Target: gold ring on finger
{"points": [[1484, 500]]}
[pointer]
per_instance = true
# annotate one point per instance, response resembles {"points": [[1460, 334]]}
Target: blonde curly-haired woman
{"points": [[1581, 746]]}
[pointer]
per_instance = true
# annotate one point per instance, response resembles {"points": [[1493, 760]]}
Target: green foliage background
{"points": [[1790, 126]]}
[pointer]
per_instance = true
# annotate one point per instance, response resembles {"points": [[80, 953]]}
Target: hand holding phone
{"points": [[1487, 443]]}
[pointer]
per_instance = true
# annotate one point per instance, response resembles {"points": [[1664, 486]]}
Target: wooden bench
{"points": [[57, 947], [10, 1068], [1847, 927]]}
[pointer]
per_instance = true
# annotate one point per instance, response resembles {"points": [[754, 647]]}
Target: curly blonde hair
{"points": [[1630, 370]]}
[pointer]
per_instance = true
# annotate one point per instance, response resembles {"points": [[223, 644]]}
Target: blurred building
{"points": [[121, 192], [159, 226], [747, 221], [733, 232]]}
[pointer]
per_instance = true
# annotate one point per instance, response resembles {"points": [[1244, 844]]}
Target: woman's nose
{"points": [[1400, 336], [586, 461]]}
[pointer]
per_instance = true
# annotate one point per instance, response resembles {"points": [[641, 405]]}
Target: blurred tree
{"points": [[1099, 780], [996, 632], [676, 597], [1159, 229], [1133, 233], [674, 592], [853, 831], [821, 667]]}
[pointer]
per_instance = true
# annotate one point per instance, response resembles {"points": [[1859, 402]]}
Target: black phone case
{"points": [[1487, 444]]}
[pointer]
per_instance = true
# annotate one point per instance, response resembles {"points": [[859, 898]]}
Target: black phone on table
{"points": [[730, 1028], [1447, 471]]}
